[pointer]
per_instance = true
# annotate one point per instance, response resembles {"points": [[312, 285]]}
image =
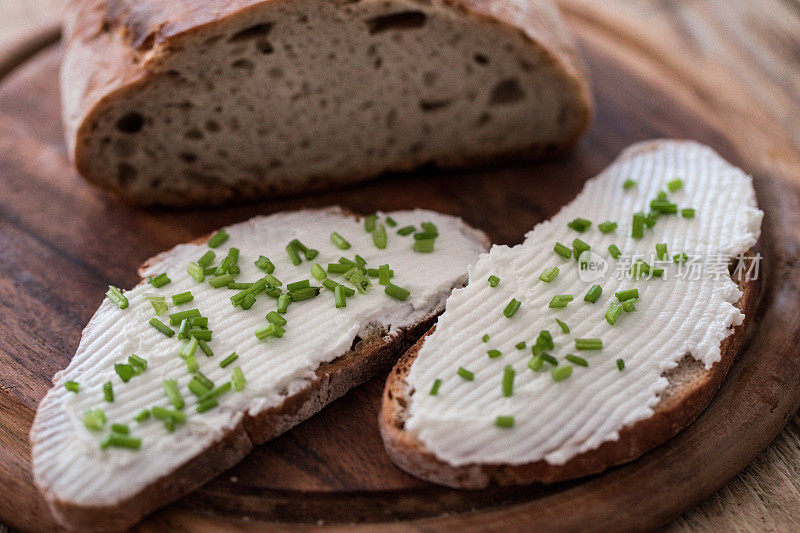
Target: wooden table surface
{"points": [[755, 43]]}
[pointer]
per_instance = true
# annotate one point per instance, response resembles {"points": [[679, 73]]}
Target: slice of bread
{"points": [[288, 378], [689, 383], [179, 103]]}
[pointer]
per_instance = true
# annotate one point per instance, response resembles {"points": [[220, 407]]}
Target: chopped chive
{"points": [[369, 223], [629, 305], [171, 389], [189, 347], [218, 238], [220, 281], [680, 258], [612, 313], [614, 251], [207, 383], [504, 421], [435, 388], [94, 420], [304, 294], [662, 195], [205, 348], [339, 297], [384, 275], [396, 292], [207, 259], [331, 286], [577, 360], [424, 246], [607, 227], [545, 340], [199, 321], [160, 326], [687, 212], [485, 337], [116, 297], [564, 327], [651, 219], [318, 272], [560, 300], [209, 271], [578, 247], [549, 359], [182, 298], [593, 293], [338, 268], [217, 392], [562, 250], [627, 294], [466, 374], [588, 344], [271, 281], [579, 224], [675, 185], [663, 206], [508, 380], [207, 404], [191, 364], [270, 330], [339, 241], [108, 391], [265, 264], [391, 222], [379, 237], [183, 331], [197, 388], [238, 379], [493, 281], [494, 354], [629, 184], [561, 372], [163, 413], [297, 285], [223, 267], [239, 286], [661, 250], [275, 318], [124, 371], [117, 440], [430, 228], [536, 363], [160, 280], [283, 303], [158, 302], [520, 345], [72, 386], [122, 429], [406, 230], [549, 275], [511, 308], [657, 272], [228, 360], [196, 272], [248, 301], [142, 415], [637, 226], [294, 257]]}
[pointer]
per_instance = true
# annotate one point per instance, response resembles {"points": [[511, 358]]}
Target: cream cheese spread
{"points": [[690, 309], [67, 458]]}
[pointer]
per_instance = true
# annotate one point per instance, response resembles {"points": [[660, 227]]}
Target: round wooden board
{"points": [[62, 243]]}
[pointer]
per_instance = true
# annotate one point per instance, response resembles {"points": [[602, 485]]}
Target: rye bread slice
{"points": [[203, 102]]}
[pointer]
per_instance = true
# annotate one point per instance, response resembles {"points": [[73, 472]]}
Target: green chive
{"points": [[627, 294], [265, 264], [116, 297], [651, 219], [217, 392], [579, 224], [577, 360], [238, 379], [536, 363], [564, 327], [562, 250], [629, 305], [588, 344], [189, 348], [283, 303], [205, 348], [199, 321], [657, 272], [218, 238], [663, 206], [661, 251], [379, 237], [504, 421], [209, 271], [493, 281], [94, 420], [494, 354], [511, 308], [384, 274], [561, 372], [629, 184], [276, 319], [304, 294], [72, 386], [614, 251], [191, 364], [435, 388], [339, 297], [466, 374], [270, 330], [545, 340], [196, 272], [430, 228], [183, 331], [182, 298], [485, 337], [607, 227], [338, 268], [424, 246], [160, 326], [207, 383], [391, 222], [560, 300], [121, 441], [171, 389], [220, 281], [396, 292], [578, 247], [122, 429], [508, 380], [294, 257], [318, 272], [228, 360], [620, 364], [297, 285], [142, 415], [637, 227], [331, 286], [108, 391], [406, 230], [339, 241], [158, 302], [159, 281], [520, 345], [675, 185], [369, 223], [124, 371], [680, 258], [612, 313], [549, 275], [207, 404], [197, 388], [593, 293], [207, 259], [549, 359], [662, 195], [687, 212], [162, 413]]}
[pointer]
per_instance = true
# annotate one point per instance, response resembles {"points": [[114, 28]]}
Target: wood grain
{"points": [[52, 224]]}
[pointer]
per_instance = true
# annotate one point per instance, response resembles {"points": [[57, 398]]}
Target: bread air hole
{"points": [[433, 105], [506, 91], [125, 174], [258, 30], [404, 20], [131, 122]]}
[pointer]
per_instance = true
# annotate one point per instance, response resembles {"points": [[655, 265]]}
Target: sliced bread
{"points": [[501, 412], [289, 365], [177, 103]]}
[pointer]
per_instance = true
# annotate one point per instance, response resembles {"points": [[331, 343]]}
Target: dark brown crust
{"points": [[368, 358], [677, 409], [112, 46]]}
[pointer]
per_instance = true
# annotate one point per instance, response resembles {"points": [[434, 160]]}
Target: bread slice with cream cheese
{"points": [[314, 352], [477, 402]]}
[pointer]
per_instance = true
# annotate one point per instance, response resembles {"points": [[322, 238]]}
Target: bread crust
{"points": [[678, 407], [366, 359], [113, 45]]}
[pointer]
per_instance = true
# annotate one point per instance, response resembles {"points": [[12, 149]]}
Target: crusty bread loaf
{"points": [[373, 349], [178, 102]]}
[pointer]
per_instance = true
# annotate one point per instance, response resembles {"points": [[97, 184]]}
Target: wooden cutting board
{"points": [[62, 243]]}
